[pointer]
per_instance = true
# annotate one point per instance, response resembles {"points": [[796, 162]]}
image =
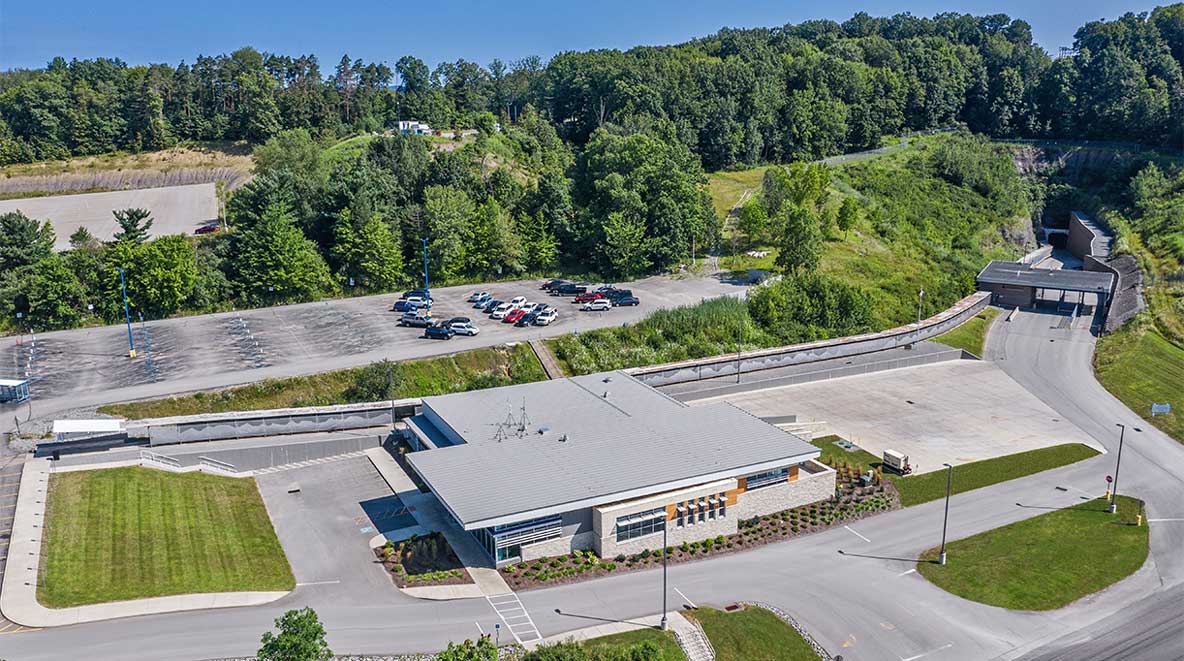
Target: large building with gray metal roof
{"points": [[604, 462]]}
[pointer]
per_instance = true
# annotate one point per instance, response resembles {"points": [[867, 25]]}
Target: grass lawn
{"points": [[467, 370], [1045, 562], [917, 489], [618, 641], [752, 634], [132, 533], [972, 334], [1140, 367], [726, 188]]}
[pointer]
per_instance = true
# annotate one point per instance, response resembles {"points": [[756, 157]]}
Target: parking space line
{"points": [[685, 598], [857, 534], [925, 654]]}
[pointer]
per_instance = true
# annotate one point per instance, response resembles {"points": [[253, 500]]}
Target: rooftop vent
{"points": [[544, 429], [608, 379], [563, 439], [605, 395]]}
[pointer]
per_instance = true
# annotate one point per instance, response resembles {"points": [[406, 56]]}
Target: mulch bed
{"points": [[422, 561], [853, 503]]}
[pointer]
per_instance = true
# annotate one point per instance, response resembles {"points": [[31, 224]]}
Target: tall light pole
{"points": [[1117, 466], [739, 349], [131, 345], [920, 297], [941, 558], [425, 264], [665, 525]]}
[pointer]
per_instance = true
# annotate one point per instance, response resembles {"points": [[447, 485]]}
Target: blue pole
{"points": [[425, 264], [131, 345]]}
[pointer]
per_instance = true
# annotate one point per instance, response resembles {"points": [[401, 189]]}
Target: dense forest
{"points": [[594, 162], [739, 96]]}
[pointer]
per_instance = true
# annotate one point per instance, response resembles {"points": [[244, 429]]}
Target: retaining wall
{"points": [[252, 459], [797, 354]]}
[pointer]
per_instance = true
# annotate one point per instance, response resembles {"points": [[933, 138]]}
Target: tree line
{"points": [[737, 97]]}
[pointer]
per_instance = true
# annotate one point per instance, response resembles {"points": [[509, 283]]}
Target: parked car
{"points": [[438, 332], [514, 315], [570, 289], [478, 295], [419, 302], [208, 229], [491, 305], [402, 305], [463, 326], [546, 317], [604, 289], [618, 293], [599, 305], [518, 301], [539, 307], [624, 301], [548, 285], [416, 318], [480, 302], [528, 318], [501, 311], [588, 296], [421, 292]]}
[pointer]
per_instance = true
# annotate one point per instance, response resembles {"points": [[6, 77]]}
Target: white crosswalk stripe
{"points": [[510, 609]]}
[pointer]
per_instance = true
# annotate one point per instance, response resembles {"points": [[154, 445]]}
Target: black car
{"points": [[422, 293], [625, 300], [491, 305], [551, 284], [528, 318], [438, 332], [617, 294], [570, 289]]}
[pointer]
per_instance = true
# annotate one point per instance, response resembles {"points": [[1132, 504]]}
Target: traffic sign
{"points": [[1109, 479]]}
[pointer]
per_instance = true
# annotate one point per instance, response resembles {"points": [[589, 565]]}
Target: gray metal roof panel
{"points": [[1023, 275]]}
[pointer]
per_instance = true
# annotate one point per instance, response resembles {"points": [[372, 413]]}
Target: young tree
{"points": [[539, 245], [447, 214], [753, 220], [848, 215], [624, 251], [53, 297], [301, 637], [82, 239], [371, 254], [801, 247], [133, 224], [23, 241], [274, 261]]}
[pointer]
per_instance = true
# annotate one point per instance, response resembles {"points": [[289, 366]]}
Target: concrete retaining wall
{"points": [[258, 458], [797, 354], [220, 426]]}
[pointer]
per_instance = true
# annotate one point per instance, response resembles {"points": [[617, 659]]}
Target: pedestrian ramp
{"points": [[510, 609]]}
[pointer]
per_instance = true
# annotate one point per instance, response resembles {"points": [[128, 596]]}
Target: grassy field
{"points": [[728, 188], [132, 533], [467, 370], [1045, 562], [1140, 367], [752, 634], [663, 639], [917, 489], [971, 335], [212, 155], [348, 149]]}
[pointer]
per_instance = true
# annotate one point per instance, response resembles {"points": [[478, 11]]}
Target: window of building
{"points": [[723, 504], [505, 542], [632, 526], [702, 510], [767, 478]]}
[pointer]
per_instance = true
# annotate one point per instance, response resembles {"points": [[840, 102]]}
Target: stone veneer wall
{"points": [[559, 546], [808, 488]]}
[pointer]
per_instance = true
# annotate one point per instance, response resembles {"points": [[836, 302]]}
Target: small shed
{"points": [[14, 391]]}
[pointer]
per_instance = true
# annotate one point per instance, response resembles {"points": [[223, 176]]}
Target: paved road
{"points": [[89, 366], [866, 603]]}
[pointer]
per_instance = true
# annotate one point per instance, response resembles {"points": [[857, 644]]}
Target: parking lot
{"points": [[957, 412], [90, 365], [326, 526]]}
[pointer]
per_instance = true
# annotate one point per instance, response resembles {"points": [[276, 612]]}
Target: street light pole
{"points": [[425, 264], [1117, 466], [131, 345], [739, 349], [941, 558], [665, 523], [920, 297]]}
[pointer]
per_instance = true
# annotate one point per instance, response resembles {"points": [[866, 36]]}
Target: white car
{"points": [[477, 295], [546, 317], [599, 305], [518, 302], [419, 302], [502, 310], [464, 328]]}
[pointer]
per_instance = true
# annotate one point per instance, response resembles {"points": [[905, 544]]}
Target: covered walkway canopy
{"points": [[1012, 283]]}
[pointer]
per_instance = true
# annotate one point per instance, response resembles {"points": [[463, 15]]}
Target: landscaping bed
{"points": [[852, 503], [751, 634], [420, 561]]}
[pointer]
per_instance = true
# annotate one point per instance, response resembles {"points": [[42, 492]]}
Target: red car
{"points": [[514, 316], [588, 297], [208, 229]]}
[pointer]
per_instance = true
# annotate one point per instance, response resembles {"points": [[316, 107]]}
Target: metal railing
{"points": [[156, 457]]}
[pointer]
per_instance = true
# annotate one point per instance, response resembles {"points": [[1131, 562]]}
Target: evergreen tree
{"points": [[133, 225], [274, 262], [23, 241]]}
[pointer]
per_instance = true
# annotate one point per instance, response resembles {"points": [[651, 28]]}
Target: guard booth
{"points": [[14, 391], [1020, 285]]}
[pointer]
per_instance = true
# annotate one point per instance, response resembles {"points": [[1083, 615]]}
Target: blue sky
{"points": [[32, 32]]}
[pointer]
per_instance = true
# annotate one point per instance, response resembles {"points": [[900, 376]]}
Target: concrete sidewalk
{"points": [[430, 516], [18, 595]]}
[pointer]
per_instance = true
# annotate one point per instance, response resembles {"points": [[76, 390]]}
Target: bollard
{"points": [[1107, 493], [1138, 519]]}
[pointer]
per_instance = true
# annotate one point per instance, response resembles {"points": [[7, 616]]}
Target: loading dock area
{"points": [[1013, 284]]}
